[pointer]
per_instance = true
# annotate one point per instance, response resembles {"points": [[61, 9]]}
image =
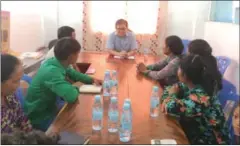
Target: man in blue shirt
{"points": [[122, 42]]}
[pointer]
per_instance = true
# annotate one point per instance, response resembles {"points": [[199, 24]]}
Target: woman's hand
{"points": [[174, 89], [164, 106], [142, 68]]}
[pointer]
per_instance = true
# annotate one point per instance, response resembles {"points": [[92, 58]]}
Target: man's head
{"points": [[67, 49], [66, 31], [121, 27]]}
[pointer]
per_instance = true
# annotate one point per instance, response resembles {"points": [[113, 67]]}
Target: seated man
{"points": [[64, 31], [122, 42], [51, 82]]}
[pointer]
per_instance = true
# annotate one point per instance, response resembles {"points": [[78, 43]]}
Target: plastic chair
{"points": [[185, 44], [223, 63], [229, 100], [19, 92]]}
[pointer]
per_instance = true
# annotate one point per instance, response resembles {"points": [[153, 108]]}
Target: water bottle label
{"points": [[154, 103], [97, 115], [126, 126], [113, 116]]}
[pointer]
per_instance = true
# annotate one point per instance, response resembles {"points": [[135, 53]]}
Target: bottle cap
{"points": [[114, 72], [107, 71], [126, 106], [97, 98], [127, 100], [113, 99], [155, 88]]}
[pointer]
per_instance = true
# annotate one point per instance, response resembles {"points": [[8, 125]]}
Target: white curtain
{"points": [[141, 15]]}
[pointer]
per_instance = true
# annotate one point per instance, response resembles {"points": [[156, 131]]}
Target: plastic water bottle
{"points": [[97, 113], [128, 101], [154, 100], [106, 88], [145, 53], [114, 84], [106, 83], [113, 115], [107, 75], [125, 130]]}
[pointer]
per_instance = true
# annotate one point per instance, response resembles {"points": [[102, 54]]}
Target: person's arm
{"points": [[157, 66], [169, 70], [77, 76], [133, 49], [110, 46], [187, 107], [56, 83]]}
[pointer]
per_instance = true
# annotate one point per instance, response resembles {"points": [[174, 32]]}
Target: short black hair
{"points": [[121, 21], [28, 138], [202, 70], [52, 43], [8, 65], [65, 31], [199, 47], [66, 47], [175, 44]]}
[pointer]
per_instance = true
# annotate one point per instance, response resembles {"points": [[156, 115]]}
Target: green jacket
{"points": [[49, 83]]}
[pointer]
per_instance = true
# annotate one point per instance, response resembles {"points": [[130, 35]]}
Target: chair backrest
{"points": [[229, 100], [185, 44], [20, 91], [223, 63]]}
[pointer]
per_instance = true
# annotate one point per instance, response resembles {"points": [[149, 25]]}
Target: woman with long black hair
{"points": [[194, 101]]}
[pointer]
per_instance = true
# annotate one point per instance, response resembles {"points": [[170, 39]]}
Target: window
{"points": [[225, 11], [141, 15]]}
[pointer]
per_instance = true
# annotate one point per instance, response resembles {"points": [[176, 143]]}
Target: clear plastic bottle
{"points": [[145, 53], [114, 84], [106, 88], [113, 115], [106, 83], [125, 129], [97, 113], [154, 102], [128, 101]]}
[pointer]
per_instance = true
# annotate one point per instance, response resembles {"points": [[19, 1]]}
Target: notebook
{"points": [[68, 138], [129, 57], [90, 89]]}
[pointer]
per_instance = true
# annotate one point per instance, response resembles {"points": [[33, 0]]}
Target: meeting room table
{"points": [[77, 117]]}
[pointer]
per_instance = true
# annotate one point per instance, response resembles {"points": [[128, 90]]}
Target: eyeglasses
{"points": [[121, 29]]}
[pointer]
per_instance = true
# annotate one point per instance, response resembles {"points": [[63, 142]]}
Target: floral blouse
{"points": [[204, 118], [12, 116]]}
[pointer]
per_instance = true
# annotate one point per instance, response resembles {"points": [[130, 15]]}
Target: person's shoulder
{"points": [[112, 34], [131, 34], [50, 67]]}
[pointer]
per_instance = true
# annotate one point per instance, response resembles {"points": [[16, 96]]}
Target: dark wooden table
{"points": [[77, 117]]}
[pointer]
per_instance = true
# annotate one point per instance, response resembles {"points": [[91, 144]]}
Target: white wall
{"points": [[35, 23], [70, 13], [224, 39], [186, 18]]}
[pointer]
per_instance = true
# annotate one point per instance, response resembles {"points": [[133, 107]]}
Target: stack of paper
{"points": [[129, 57], [34, 55], [90, 89]]}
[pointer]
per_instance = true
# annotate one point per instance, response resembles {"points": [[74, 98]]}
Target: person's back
{"points": [[194, 101]]}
